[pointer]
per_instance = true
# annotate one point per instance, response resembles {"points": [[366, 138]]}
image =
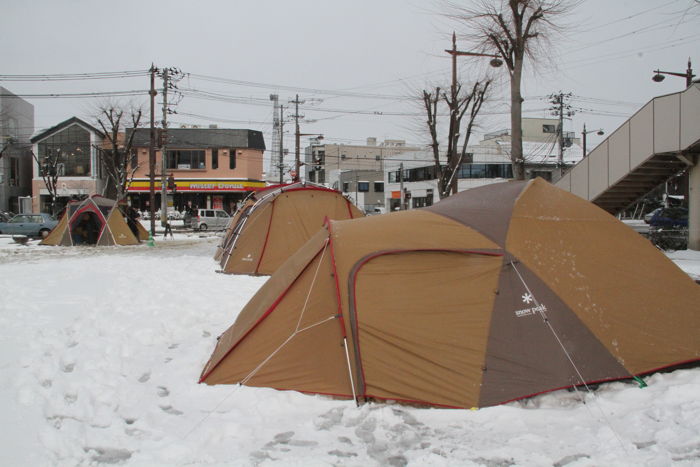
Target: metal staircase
{"points": [[656, 143]]}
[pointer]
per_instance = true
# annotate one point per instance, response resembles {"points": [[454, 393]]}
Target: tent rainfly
{"points": [[494, 294], [94, 221], [274, 223]]}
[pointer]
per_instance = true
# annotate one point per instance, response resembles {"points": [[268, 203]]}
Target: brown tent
{"points": [[273, 223], [494, 294], [94, 221]]}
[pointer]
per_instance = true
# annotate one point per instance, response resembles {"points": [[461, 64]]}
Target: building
{"points": [[16, 128], [364, 187], [489, 163], [323, 162], [211, 167], [353, 169], [68, 151]]}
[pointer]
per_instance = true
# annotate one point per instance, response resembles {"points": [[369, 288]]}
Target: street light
{"points": [[599, 132], [688, 75], [495, 62]]}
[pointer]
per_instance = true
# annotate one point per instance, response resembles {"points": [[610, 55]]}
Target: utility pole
{"points": [[152, 154], [281, 160], [561, 109], [163, 154], [274, 149], [454, 108], [297, 138], [401, 186]]}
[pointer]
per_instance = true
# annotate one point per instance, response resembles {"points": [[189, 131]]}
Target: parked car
{"points": [[649, 215], [31, 225], [669, 217], [210, 219]]}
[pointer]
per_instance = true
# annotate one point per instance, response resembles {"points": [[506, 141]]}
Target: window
{"points": [[69, 147], [376, 158], [185, 159], [221, 214], [363, 186], [549, 128], [232, 158], [486, 171], [343, 157], [214, 158], [346, 187], [379, 187]]}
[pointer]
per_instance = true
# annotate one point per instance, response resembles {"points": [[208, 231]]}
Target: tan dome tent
{"points": [[273, 223], [94, 221], [494, 294]]}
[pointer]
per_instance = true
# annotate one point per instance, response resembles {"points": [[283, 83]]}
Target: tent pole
{"points": [[352, 382]]}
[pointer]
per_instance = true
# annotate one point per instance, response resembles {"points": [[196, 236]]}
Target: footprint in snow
{"points": [[170, 410]]}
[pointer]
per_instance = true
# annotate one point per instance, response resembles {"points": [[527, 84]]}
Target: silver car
{"points": [[210, 219], [31, 225]]}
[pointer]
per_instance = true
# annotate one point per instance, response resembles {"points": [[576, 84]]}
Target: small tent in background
{"points": [[94, 221], [273, 223], [493, 294]]}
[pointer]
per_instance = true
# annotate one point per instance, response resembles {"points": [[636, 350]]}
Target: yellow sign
{"points": [[142, 185]]}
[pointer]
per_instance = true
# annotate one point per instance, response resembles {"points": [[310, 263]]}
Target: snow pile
{"points": [[102, 348]]}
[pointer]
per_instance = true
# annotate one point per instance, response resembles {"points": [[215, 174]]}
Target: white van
{"points": [[210, 219]]}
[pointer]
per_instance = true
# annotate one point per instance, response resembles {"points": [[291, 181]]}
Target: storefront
{"points": [[195, 193]]}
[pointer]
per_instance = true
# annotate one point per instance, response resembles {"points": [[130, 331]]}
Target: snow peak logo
{"points": [[248, 258], [527, 299]]}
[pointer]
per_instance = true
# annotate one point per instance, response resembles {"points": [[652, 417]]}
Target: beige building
{"points": [[324, 162]]}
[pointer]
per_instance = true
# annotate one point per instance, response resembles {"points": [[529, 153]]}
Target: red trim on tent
{"points": [[368, 258], [349, 208], [262, 318], [310, 188], [432, 404], [349, 396], [267, 235], [605, 380], [91, 207]]}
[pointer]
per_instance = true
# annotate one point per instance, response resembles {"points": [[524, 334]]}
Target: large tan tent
{"points": [[273, 223], [494, 294], [94, 221]]}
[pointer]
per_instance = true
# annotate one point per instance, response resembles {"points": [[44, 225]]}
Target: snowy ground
{"points": [[101, 349]]}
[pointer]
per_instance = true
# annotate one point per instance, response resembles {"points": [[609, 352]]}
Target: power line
{"points": [[619, 20], [297, 88], [80, 95], [75, 76]]}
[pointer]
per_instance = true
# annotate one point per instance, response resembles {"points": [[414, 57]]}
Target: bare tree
{"points": [[459, 104], [50, 169], [118, 158], [514, 30]]}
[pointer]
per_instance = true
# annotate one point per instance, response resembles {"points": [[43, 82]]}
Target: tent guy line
{"points": [[541, 310]]}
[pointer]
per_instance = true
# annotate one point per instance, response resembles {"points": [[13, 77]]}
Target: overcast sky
{"points": [[357, 64]]}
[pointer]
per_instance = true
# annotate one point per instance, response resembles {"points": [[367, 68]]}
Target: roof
{"points": [[198, 138], [65, 124]]}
